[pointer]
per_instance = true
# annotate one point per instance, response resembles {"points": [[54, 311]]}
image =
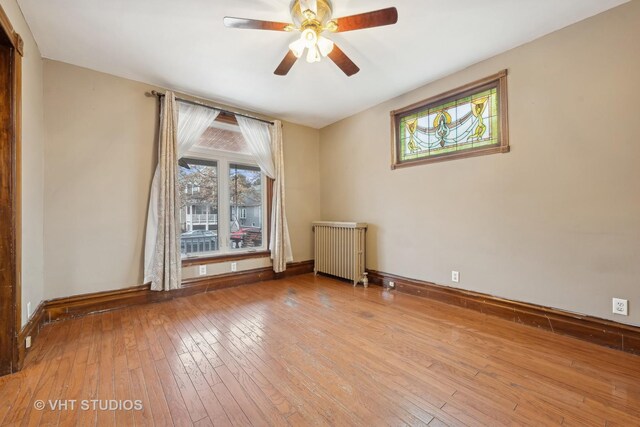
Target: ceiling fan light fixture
{"points": [[325, 46], [310, 37], [298, 47], [313, 55]]}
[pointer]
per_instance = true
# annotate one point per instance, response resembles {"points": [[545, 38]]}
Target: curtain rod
{"points": [[188, 101]]}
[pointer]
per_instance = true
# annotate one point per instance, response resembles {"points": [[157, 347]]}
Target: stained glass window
{"points": [[465, 122]]}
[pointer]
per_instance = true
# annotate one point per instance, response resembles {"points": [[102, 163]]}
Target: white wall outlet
{"points": [[234, 266], [620, 306], [392, 285], [29, 309], [202, 270], [455, 276], [27, 342]]}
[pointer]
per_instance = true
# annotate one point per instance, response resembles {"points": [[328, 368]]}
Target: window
{"points": [[191, 187], [222, 196], [468, 121], [245, 194], [198, 209]]}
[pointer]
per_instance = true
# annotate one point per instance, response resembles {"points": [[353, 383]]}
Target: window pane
{"points": [[245, 202], [198, 189], [457, 125]]}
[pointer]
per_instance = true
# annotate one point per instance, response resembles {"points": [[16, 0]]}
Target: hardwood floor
{"points": [[315, 351]]}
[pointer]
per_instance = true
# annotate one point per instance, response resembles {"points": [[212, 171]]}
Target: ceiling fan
{"points": [[311, 18]]}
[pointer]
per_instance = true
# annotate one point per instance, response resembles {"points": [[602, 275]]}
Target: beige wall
{"points": [[32, 162], [302, 179], [100, 157], [556, 221]]}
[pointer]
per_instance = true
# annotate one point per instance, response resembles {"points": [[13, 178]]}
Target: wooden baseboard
{"points": [[31, 329], [296, 269], [595, 330], [82, 305]]}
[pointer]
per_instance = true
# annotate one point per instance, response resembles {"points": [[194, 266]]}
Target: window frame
{"points": [[225, 253], [498, 80]]}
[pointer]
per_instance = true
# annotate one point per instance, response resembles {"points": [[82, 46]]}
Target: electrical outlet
{"points": [[620, 306], [392, 285], [29, 309], [455, 276], [27, 342], [234, 266], [202, 270]]}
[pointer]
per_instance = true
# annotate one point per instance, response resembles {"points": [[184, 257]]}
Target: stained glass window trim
{"points": [[468, 121]]}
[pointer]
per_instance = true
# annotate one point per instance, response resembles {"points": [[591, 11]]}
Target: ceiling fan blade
{"points": [[253, 24], [376, 18], [286, 64], [343, 62]]}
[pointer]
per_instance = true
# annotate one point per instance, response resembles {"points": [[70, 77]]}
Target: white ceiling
{"points": [[182, 44]]}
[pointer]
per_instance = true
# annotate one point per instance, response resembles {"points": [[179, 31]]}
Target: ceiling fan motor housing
{"points": [[322, 14]]}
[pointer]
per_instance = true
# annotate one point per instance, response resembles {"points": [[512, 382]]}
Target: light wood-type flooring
{"points": [[316, 351]]}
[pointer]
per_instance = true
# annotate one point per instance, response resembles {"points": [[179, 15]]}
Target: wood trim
{"points": [[500, 81], [603, 332], [296, 269], [32, 329], [10, 197], [17, 122], [227, 118], [81, 305], [225, 258], [16, 40], [270, 183], [503, 111], [462, 154], [453, 92]]}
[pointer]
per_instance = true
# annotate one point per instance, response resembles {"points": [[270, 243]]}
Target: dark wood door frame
{"points": [[10, 193]]}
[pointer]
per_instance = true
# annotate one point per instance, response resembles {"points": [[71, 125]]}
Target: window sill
{"points": [[216, 259]]}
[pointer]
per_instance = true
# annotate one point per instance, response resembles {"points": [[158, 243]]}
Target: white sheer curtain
{"points": [[193, 121], [265, 143], [258, 138], [162, 263]]}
